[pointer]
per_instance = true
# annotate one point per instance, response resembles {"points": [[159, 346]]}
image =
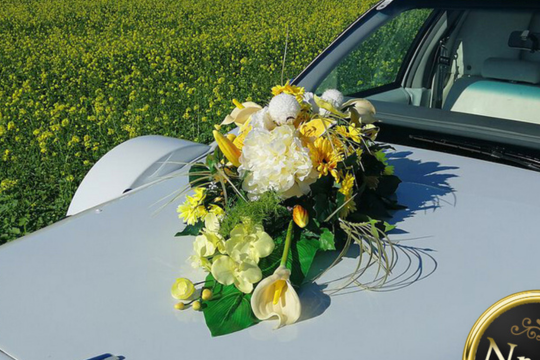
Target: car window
{"points": [[377, 60]]}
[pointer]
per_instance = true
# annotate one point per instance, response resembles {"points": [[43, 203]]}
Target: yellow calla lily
{"points": [[362, 111], [241, 113], [275, 296], [228, 149]]}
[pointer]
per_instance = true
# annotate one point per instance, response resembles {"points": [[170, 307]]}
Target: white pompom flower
{"points": [[334, 97], [276, 161], [284, 109]]}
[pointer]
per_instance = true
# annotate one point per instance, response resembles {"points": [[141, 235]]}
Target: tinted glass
{"points": [[378, 59]]}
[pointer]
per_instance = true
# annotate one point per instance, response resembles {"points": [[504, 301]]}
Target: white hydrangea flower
{"points": [[334, 97], [284, 109], [262, 120], [276, 161]]}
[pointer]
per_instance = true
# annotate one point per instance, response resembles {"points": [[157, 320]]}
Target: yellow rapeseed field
{"points": [[78, 77]]}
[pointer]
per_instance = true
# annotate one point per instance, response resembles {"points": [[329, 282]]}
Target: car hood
{"points": [[99, 282]]}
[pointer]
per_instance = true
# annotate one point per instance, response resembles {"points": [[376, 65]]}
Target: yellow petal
{"points": [[323, 104], [244, 114], [300, 216], [240, 114], [228, 149], [275, 296], [363, 108], [223, 269], [278, 289], [316, 127], [238, 104]]}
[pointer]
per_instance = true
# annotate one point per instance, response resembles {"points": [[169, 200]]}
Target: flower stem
{"points": [[287, 244]]}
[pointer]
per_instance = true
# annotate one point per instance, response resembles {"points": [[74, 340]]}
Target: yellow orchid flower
{"points": [[206, 244], [242, 274], [275, 295], [250, 241]]}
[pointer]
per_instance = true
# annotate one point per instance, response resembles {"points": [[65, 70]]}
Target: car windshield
{"points": [[439, 68]]}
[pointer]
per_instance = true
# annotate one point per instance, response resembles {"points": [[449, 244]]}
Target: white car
{"points": [[456, 85]]}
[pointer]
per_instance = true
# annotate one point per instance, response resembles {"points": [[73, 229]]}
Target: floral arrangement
{"points": [[303, 175]]}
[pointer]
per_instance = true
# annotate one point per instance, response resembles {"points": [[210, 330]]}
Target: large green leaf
{"points": [[301, 255], [324, 207], [228, 311]]}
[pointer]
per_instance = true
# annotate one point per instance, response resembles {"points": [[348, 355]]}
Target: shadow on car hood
{"points": [[99, 282]]}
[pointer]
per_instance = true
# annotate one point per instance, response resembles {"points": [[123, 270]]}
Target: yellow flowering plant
{"points": [[301, 175]]}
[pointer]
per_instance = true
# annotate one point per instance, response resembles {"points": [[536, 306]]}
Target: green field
{"points": [[80, 77]]}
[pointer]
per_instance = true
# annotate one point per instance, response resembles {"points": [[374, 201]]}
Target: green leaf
{"points": [[388, 185], [196, 177], [212, 159], [327, 241], [323, 207], [388, 227], [191, 229], [228, 311], [301, 257]]}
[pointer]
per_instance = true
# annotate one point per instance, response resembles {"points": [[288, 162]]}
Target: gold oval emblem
{"points": [[509, 329]]}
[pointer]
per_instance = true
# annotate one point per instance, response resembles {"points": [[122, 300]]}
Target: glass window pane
{"points": [[377, 60]]}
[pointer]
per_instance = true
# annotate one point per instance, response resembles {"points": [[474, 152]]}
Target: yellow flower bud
{"points": [[207, 294], [179, 306], [182, 289], [300, 216], [231, 136], [196, 305], [228, 149]]}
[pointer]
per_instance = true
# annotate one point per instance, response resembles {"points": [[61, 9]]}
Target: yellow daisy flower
{"points": [[192, 209], [294, 90], [325, 157], [347, 189], [351, 132]]}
